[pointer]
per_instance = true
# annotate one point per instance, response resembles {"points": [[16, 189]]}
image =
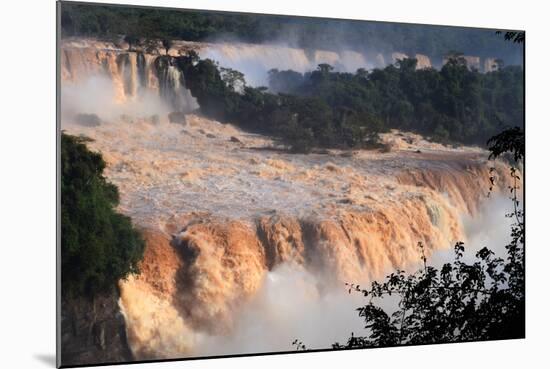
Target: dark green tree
{"points": [[167, 44], [132, 41], [98, 245], [233, 79]]}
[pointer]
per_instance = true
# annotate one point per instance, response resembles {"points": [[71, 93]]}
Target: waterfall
{"points": [[142, 69], [134, 76], [256, 60], [226, 227], [127, 66], [172, 85], [256, 239]]}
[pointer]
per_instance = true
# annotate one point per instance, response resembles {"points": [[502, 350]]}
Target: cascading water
{"points": [[241, 240], [256, 60], [127, 66], [172, 85], [134, 75]]}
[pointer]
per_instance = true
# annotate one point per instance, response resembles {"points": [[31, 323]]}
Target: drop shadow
{"points": [[48, 359]]}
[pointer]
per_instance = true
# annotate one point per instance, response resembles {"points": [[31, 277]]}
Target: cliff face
{"points": [[198, 277], [93, 331]]}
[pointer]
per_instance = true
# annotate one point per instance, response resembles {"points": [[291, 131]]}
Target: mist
{"points": [[490, 228], [96, 95], [290, 305], [300, 45], [295, 303], [255, 60]]}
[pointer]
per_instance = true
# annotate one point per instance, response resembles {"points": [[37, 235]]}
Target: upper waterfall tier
{"points": [[254, 60]]}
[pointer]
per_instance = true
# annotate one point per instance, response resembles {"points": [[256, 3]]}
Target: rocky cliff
{"points": [[93, 331]]}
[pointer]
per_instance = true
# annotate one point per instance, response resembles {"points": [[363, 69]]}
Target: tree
{"points": [[98, 245], [167, 44], [452, 105], [499, 64], [151, 46], [454, 57], [132, 41], [287, 81], [514, 36], [460, 302], [325, 68], [233, 79], [510, 141], [362, 73]]}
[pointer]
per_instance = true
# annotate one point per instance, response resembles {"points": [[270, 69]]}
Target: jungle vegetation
{"points": [[99, 246]]}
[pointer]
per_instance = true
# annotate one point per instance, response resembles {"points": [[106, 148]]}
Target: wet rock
{"points": [[177, 117], [347, 154], [387, 147], [88, 120], [323, 152], [93, 331], [345, 200], [332, 168], [126, 118]]}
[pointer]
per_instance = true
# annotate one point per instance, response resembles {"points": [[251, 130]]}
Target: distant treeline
{"points": [[324, 108], [452, 104], [104, 21]]}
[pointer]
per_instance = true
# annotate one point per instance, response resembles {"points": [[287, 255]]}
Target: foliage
{"points": [[324, 108], [517, 37], [509, 141], [300, 122], [233, 79], [482, 300], [454, 104], [459, 302], [167, 44], [98, 245], [132, 41], [285, 80]]}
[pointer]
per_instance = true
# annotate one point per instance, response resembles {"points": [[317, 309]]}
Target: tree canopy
{"points": [[325, 108], [98, 245], [455, 104]]}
